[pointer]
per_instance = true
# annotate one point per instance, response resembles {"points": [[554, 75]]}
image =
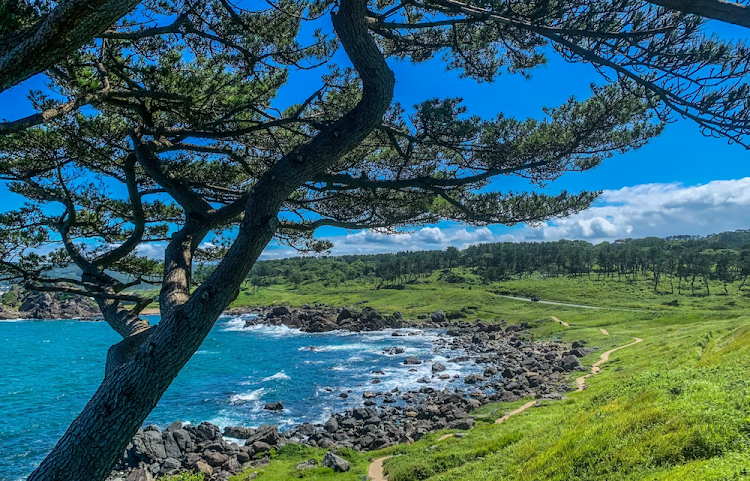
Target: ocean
{"points": [[51, 368]]}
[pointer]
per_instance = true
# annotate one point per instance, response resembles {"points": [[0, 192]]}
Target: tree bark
{"points": [[70, 25], [99, 435], [729, 12]]}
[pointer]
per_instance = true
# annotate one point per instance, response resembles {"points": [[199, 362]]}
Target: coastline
{"points": [[509, 366]]}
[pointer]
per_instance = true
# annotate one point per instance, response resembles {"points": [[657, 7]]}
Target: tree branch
{"points": [[729, 12], [70, 25]]}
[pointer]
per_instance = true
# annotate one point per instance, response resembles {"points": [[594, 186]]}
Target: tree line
{"points": [[677, 264]]}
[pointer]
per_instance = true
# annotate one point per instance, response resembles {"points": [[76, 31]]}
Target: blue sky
{"points": [[641, 187]]}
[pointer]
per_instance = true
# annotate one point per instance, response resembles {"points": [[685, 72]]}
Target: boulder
{"points": [[266, 433], [306, 429], [438, 316], [141, 474], [171, 447], [571, 363], [393, 350], [344, 315], [279, 311], [183, 440], [438, 367], [412, 360], [214, 458], [205, 432], [332, 425], [238, 432], [309, 464], [336, 463], [274, 406], [204, 468], [261, 447]]}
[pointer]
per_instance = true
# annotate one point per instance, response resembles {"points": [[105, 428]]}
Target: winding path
{"points": [[553, 303], [375, 470], [595, 369], [561, 322]]}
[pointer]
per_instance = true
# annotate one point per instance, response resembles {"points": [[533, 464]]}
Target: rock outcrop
{"points": [[45, 305], [509, 365]]}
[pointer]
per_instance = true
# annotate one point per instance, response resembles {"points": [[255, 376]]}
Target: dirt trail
{"points": [[604, 331], [552, 303], [375, 471], [515, 413], [561, 322], [595, 369]]}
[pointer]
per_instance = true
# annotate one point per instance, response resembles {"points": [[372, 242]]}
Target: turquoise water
{"points": [[51, 368]]}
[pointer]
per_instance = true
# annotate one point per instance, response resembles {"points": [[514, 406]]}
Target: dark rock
{"points": [[204, 432], [154, 445], [266, 433], [183, 440], [437, 367], [464, 424], [344, 315], [412, 360], [232, 466], [274, 406], [214, 458], [393, 350], [174, 427], [279, 311], [571, 363], [331, 425], [261, 447], [336, 463], [171, 447], [238, 432], [306, 429]]}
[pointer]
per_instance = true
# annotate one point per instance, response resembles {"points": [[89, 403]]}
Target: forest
{"points": [[676, 265]]}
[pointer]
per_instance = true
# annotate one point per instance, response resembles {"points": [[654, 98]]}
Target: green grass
{"points": [[674, 407], [185, 477], [284, 462]]}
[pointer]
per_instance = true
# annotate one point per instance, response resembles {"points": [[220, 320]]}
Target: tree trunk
{"points": [[70, 25], [98, 436]]}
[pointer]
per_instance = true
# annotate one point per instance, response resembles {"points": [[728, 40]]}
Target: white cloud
{"points": [[152, 251], [655, 210], [639, 211], [426, 238]]}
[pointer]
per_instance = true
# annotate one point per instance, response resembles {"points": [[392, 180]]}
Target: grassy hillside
{"points": [[676, 406]]}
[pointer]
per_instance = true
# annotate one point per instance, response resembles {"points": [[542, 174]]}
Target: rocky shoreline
{"points": [[44, 305], [509, 366]]}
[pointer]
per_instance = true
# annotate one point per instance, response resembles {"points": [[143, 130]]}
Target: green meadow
{"points": [[674, 407]]}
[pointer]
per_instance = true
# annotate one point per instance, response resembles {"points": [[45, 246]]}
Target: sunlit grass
{"points": [[674, 407]]}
